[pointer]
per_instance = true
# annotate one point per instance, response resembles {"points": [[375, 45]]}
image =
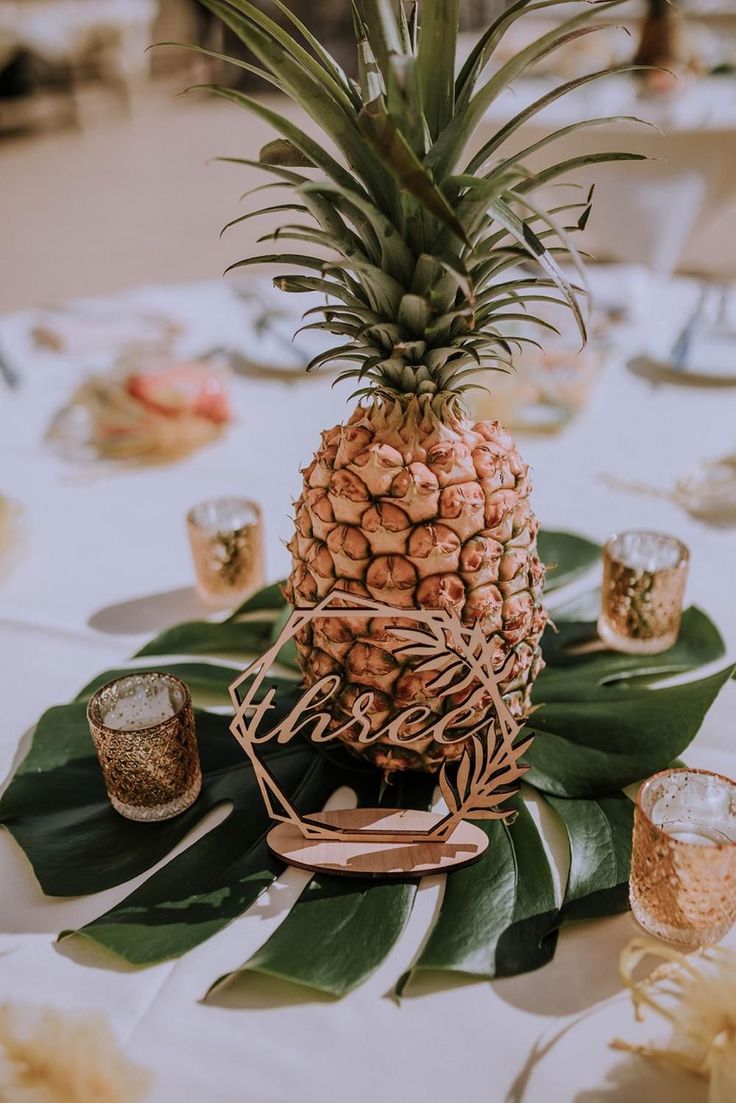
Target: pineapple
{"points": [[426, 258], [414, 505]]}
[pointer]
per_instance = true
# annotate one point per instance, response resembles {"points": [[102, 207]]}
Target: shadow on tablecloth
{"points": [[150, 614]]}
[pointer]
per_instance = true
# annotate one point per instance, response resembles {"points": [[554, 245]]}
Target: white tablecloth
{"points": [[98, 543]]}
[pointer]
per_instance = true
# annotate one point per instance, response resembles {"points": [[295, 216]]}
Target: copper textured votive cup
{"points": [[644, 576], [683, 862], [226, 536], [142, 727]]}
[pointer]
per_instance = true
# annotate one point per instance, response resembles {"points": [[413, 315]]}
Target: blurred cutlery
{"points": [[9, 374], [680, 353]]}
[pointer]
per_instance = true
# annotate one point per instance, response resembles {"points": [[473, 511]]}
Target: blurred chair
{"points": [[659, 212], [655, 213], [103, 38]]}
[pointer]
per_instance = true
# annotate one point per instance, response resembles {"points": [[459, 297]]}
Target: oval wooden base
{"points": [[378, 859]]}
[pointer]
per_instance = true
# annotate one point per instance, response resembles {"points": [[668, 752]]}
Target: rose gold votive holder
{"points": [[226, 535], [142, 727], [683, 864], [644, 576]]}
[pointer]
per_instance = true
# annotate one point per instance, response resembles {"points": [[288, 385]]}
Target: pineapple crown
{"points": [[427, 258]]}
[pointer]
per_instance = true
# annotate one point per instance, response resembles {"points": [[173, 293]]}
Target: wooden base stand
{"points": [[378, 859]]}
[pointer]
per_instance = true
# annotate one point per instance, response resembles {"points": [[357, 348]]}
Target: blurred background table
{"points": [[107, 564], [62, 42]]}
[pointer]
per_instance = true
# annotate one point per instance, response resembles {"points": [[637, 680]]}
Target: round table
{"points": [[106, 565]]}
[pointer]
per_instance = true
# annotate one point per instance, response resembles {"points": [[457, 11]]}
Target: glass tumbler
{"points": [[226, 537], [142, 726], [644, 576], [683, 863]]}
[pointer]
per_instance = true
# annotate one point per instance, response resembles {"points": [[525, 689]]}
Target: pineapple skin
{"points": [[412, 504]]}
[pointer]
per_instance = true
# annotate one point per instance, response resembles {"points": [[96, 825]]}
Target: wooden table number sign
{"points": [[382, 842]]}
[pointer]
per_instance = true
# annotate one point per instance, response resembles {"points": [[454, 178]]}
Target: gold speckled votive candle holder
{"points": [[644, 576], [226, 536], [683, 863], [142, 727]]}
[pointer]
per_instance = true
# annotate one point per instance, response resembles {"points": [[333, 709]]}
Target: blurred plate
{"points": [[280, 348], [663, 371], [284, 373], [710, 492], [90, 331]]}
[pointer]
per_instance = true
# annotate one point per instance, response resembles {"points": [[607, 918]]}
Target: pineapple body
{"points": [[418, 510]]}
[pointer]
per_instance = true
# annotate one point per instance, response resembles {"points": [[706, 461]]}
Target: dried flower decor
{"points": [[160, 412], [696, 994], [50, 1057]]}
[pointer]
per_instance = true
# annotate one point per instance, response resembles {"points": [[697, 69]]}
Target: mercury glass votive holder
{"points": [[142, 726], [644, 576], [226, 536], [683, 863]]}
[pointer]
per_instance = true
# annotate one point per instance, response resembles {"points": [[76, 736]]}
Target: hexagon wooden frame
{"points": [[490, 768]]}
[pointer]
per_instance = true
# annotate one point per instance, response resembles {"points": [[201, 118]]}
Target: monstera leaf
{"points": [[601, 724], [58, 811], [497, 916], [601, 720], [349, 925], [599, 837], [566, 556]]}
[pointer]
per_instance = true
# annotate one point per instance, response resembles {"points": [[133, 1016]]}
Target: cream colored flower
{"points": [[697, 995], [50, 1057]]}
